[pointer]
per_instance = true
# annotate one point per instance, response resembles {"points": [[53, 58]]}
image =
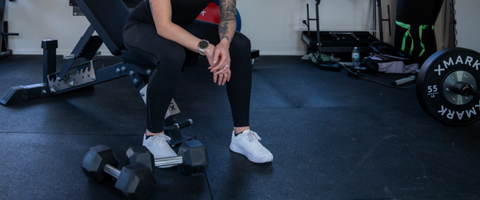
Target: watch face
{"points": [[203, 44]]}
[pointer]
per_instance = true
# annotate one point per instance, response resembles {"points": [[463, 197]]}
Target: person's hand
{"points": [[223, 77], [220, 65]]}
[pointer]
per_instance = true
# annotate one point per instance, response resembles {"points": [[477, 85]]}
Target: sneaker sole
{"points": [[250, 157], [165, 166]]}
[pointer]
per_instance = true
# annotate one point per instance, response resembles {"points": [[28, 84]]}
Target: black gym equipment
{"points": [[314, 44], [140, 154], [381, 20], [169, 161], [332, 41], [195, 157], [192, 158], [5, 51], [447, 86], [107, 19], [135, 181]]}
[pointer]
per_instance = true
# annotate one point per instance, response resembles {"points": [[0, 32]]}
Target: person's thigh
{"points": [[143, 41]]}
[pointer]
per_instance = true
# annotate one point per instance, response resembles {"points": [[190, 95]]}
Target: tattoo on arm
{"points": [[222, 30], [228, 15]]}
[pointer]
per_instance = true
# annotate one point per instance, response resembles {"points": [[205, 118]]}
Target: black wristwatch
{"points": [[202, 45]]}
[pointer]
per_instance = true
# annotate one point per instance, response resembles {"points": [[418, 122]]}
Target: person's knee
{"points": [[173, 56], [241, 42]]}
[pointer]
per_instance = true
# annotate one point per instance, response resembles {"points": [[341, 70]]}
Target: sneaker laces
{"points": [[252, 136], [161, 139]]}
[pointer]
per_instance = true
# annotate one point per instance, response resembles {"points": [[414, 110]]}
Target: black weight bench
{"points": [[107, 19]]}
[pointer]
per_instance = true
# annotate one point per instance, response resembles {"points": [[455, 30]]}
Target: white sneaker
{"points": [[160, 148], [248, 145]]}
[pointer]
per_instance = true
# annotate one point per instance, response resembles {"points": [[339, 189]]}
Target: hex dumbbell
{"points": [[135, 181], [195, 157], [140, 154], [192, 158]]}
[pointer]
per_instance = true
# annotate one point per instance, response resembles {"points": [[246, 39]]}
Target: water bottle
{"points": [[355, 57]]}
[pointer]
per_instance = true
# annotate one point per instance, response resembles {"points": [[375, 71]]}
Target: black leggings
{"points": [[142, 40]]}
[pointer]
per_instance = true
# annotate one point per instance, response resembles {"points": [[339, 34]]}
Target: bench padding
{"points": [[108, 19]]}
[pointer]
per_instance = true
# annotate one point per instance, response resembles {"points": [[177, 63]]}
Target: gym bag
{"points": [[387, 59]]}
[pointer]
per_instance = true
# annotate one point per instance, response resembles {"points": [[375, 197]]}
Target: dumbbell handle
{"points": [[178, 126], [404, 80], [113, 171], [176, 160]]}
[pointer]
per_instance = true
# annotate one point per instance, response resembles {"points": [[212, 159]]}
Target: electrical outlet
{"points": [[303, 23]]}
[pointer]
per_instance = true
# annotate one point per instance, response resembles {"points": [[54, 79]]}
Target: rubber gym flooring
{"points": [[332, 136]]}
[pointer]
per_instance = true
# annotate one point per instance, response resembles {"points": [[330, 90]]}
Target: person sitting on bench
{"points": [[160, 32]]}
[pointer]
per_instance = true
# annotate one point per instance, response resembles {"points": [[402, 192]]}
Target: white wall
{"points": [[468, 15], [35, 20], [272, 25]]}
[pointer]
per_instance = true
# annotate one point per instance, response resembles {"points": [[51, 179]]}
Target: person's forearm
{"points": [[228, 20], [162, 15], [179, 35]]}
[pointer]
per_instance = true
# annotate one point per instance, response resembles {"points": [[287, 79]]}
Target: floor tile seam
{"points": [[421, 197], [209, 186], [333, 107], [64, 134]]}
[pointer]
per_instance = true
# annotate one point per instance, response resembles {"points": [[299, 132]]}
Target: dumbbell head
{"points": [[95, 160], [140, 154], [136, 181], [195, 157]]}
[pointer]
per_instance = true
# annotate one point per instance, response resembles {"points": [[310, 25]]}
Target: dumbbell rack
{"points": [[334, 41], [5, 51], [381, 19]]}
